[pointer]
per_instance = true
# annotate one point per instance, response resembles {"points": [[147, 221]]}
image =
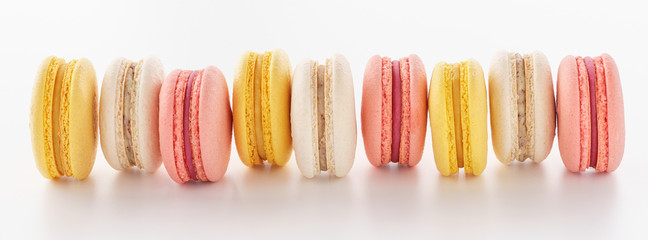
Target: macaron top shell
{"points": [[215, 121], [64, 95], [340, 133], [371, 110], [504, 104], [144, 113], [419, 107], [271, 81]]}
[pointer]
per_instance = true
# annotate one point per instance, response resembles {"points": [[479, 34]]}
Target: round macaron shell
{"points": [[418, 107], [544, 107], [371, 110], [615, 109], [344, 134], [279, 106], [107, 114], [568, 101], [148, 94], [167, 101], [302, 110], [215, 123], [83, 116]]}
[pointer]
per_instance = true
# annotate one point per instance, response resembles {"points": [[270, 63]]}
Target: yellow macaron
{"points": [[458, 109], [63, 118], [261, 108]]}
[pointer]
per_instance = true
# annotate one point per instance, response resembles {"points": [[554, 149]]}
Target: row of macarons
{"points": [[184, 119]]}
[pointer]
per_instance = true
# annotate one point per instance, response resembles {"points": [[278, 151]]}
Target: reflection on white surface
{"points": [[371, 201]]}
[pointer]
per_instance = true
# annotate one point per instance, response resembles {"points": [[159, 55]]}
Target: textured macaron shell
{"points": [[544, 107], [41, 131], [108, 112], [83, 116], [215, 121], [418, 109], [371, 110], [344, 134], [615, 113], [303, 118], [278, 94], [568, 102], [147, 139], [167, 100]]}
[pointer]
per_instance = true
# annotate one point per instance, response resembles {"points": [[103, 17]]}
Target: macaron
{"points": [[195, 125], [522, 106], [261, 102], [458, 117], [128, 113], [591, 125], [63, 118], [393, 111], [322, 116]]}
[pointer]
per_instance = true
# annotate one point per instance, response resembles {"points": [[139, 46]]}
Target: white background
{"points": [[520, 201]]}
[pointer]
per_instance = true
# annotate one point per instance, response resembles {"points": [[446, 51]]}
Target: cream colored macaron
{"points": [[522, 105], [322, 116], [128, 113]]}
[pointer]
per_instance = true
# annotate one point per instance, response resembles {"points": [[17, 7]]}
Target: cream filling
{"points": [[127, 110], [529, 74], [321, 118], [521, 153]]}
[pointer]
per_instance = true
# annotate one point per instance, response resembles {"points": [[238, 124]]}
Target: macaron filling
{"points": [[321, 117], [396, 110], [185, 126], [324, 147], [593, 113], [186, 142], [520, 78], [395, 130], [591, 76], [128, 96]]}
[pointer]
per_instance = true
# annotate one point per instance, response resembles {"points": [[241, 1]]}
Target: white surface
{"points": [[519, 201]]}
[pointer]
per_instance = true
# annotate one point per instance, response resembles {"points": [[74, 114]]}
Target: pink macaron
{"points": [[591, 125], [195, 125], [394, 110]]}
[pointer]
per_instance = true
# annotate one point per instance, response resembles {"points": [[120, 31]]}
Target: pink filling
{"points": [[396, 110], [194, 129], [591, 75], [187, 135]]}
